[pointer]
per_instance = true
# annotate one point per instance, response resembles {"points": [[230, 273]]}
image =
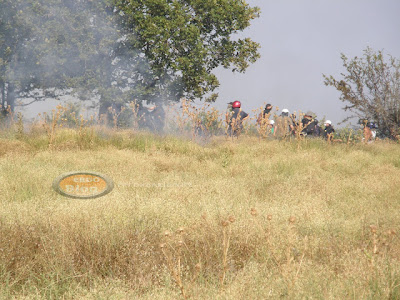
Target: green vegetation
{"points": [[241, 219], [370, 88], [120, 51]]}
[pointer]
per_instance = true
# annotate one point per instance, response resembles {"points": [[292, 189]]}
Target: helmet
{"points": [[271, 122], [310, 114], [328, 122], [236, 104], [285, 110]]}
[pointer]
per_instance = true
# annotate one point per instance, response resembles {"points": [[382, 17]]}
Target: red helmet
{"points": [[236, 104]]}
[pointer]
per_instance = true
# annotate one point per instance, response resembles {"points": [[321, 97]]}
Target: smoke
{"points": [[75, 48], [80, 51]]}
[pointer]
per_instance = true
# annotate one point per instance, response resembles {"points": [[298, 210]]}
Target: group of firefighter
{"points": [[280, 126]]}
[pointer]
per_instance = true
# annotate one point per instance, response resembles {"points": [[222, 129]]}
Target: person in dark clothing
{"points": [[317, 128], [295, 123], [263, 117], [235, 124], [306, 121], [267, 110], [310, 125], [328, 130]]}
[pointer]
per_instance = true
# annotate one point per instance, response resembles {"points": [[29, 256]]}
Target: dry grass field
{"points": [[242, 219]]}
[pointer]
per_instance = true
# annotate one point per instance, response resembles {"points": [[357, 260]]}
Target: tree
{"points": [[53, 46], [12, 34], [185, 40], [120, 50], [371, 89]]}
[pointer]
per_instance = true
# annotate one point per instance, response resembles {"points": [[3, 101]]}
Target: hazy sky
{"points": [[301, 40]]}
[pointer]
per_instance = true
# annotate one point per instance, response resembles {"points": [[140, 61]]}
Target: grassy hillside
{"points": [[244, 219]]}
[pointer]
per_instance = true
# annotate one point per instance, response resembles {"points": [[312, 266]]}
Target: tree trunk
{"points": [[3, 93], [109, 112], [11, 96], [103, 110]]}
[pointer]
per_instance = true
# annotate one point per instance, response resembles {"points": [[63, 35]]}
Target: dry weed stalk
{"points": [[212, 121], [266, 231], [20, 126], [50, 123], [262, 122], [9, 116], [172, 251], [226, 238], [175, 268], [291, 238], [136, 118], [289, 270], [235, 126], [374, 239], [379, 241], [83, 130], [298, 129], [115, 115], [349, 137], [197, 120], [180, 116]]}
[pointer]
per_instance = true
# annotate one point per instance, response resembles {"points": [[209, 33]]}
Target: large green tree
{"points": [[184, 40], [119, 50], [370, 87]]}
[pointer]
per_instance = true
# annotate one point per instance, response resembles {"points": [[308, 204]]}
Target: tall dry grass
{"points": [[246, 220]]}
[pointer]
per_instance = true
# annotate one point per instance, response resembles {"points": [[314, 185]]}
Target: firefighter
{"points": [[263, 117], [265, 113], [328, 130], [310, 125], [271, 127], [369, 130], [267, 110], [283, 124], [235, 124]]}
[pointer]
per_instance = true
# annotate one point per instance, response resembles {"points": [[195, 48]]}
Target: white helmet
{"points": [[285, 110], [271, 122], [328, 122]]}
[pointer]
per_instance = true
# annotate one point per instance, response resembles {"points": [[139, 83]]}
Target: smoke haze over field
{"points": [[300, 41]]}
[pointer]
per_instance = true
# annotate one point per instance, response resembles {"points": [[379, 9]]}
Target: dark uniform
{"points": [[310, 126], [328, 131], [267, 110], [235, 125]]}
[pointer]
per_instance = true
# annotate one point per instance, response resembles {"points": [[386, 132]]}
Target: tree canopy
{"points": [[370, 87], [120, 50]]}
